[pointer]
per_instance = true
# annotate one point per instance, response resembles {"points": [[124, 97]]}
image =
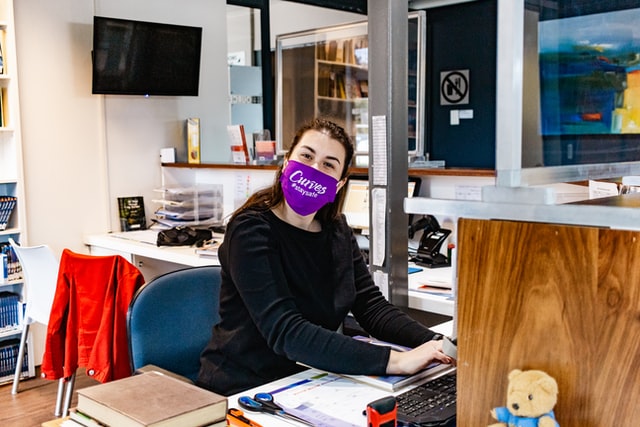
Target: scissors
{"points": [[263, 402]]}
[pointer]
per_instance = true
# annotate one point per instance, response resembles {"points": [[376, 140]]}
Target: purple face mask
{"points": [[306, 189]]}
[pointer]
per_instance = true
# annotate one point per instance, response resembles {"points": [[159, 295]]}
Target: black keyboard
{"points": [[432, 404]]}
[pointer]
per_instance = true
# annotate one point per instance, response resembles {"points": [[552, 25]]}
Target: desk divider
{"points": [[563, 299]]}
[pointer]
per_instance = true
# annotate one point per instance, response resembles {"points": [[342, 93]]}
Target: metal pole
{"points": [[388, 147]]}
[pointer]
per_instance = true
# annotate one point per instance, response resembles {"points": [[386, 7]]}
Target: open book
{"points": [[396, 382]]}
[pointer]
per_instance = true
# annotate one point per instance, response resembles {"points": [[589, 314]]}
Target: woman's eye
{"points": [[329, 165]]}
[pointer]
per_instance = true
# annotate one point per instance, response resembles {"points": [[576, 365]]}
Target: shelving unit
{"points": [[11, 174], [342, 82]]}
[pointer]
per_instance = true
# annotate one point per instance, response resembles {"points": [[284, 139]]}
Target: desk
{"points": [[334, 400], [140, 249], [331, 400]]}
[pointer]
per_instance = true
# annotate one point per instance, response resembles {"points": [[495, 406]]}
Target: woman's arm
{"points": [[386, 322], [410, 362], [379, 317]]}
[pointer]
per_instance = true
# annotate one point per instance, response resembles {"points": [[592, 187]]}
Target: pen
{"points": [[235, 417]]}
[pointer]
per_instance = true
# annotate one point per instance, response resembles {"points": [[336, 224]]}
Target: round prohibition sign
{"points": [[454, 87]]}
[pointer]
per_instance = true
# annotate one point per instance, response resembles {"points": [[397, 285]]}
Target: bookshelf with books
{"points": [[12, 215], [324, 73], [342, 83], [11, 324], [11, 175], [320, 75]]}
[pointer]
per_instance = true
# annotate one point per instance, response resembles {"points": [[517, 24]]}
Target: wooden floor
{"points": [[35, 401]]}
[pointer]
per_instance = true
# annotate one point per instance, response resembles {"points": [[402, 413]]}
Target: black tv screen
{"points": [[145, 58]]}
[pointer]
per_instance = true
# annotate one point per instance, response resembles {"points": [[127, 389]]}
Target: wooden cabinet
{"points": [[11, 184], [561, 298]]}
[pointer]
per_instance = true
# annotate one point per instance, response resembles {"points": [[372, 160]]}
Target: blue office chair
{"points": [[170, 318]]}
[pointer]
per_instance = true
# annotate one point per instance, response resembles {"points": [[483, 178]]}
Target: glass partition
{"points": [[324, 73]]}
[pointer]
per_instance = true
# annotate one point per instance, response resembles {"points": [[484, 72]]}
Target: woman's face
{"points": [[322, 152]]}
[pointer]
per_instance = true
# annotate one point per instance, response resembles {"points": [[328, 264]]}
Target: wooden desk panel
{"points": [[563, 299]]}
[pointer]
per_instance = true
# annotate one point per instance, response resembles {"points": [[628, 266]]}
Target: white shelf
{"points": [[10, 231], [15, 282], [11, 169], [10, 332], [431, 303]]}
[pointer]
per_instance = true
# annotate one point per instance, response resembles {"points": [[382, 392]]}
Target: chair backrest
{"points": [[40, 270], [170, 319]]}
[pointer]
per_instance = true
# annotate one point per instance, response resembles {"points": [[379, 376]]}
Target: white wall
{"points": [[287, 17], [82, 151], [63, 141]]}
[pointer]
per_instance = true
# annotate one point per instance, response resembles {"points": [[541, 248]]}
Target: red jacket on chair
{"points": [[87, 326]]}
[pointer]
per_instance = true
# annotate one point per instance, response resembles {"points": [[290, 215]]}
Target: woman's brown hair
{"points": [[272, 196]]}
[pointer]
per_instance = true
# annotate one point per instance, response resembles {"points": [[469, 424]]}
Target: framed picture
{"points": [[590, 74]]}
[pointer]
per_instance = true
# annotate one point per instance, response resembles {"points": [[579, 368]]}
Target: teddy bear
{"points": [[531, 396]]}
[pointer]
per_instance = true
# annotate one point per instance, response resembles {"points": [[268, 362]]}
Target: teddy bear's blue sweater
{"points": [[504, 416]]}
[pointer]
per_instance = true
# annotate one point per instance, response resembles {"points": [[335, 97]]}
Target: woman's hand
{"points": [[412, 361]]}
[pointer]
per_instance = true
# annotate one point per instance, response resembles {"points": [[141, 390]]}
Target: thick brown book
{"points": [[151, 399]]}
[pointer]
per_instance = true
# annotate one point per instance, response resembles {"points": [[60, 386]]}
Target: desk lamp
{"points": [[433, 237]]}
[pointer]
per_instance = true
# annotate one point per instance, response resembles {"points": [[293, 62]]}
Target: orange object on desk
{"points": [[235, 417]]}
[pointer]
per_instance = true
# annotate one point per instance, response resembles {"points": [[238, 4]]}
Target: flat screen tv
{"points": [[145, 58]]}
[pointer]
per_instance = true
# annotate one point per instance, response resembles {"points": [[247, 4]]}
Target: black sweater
{"points": [[285, 292]]}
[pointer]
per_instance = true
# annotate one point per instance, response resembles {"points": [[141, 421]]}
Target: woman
{"points": [[292, 271]]}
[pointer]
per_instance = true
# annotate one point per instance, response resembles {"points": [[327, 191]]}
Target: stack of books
{"points": [[149, 399], [9, 357], [7, 203], [10, 311], [10, 268]]}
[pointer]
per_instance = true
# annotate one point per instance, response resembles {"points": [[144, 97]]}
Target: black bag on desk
{"points": [[184, 236]]}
